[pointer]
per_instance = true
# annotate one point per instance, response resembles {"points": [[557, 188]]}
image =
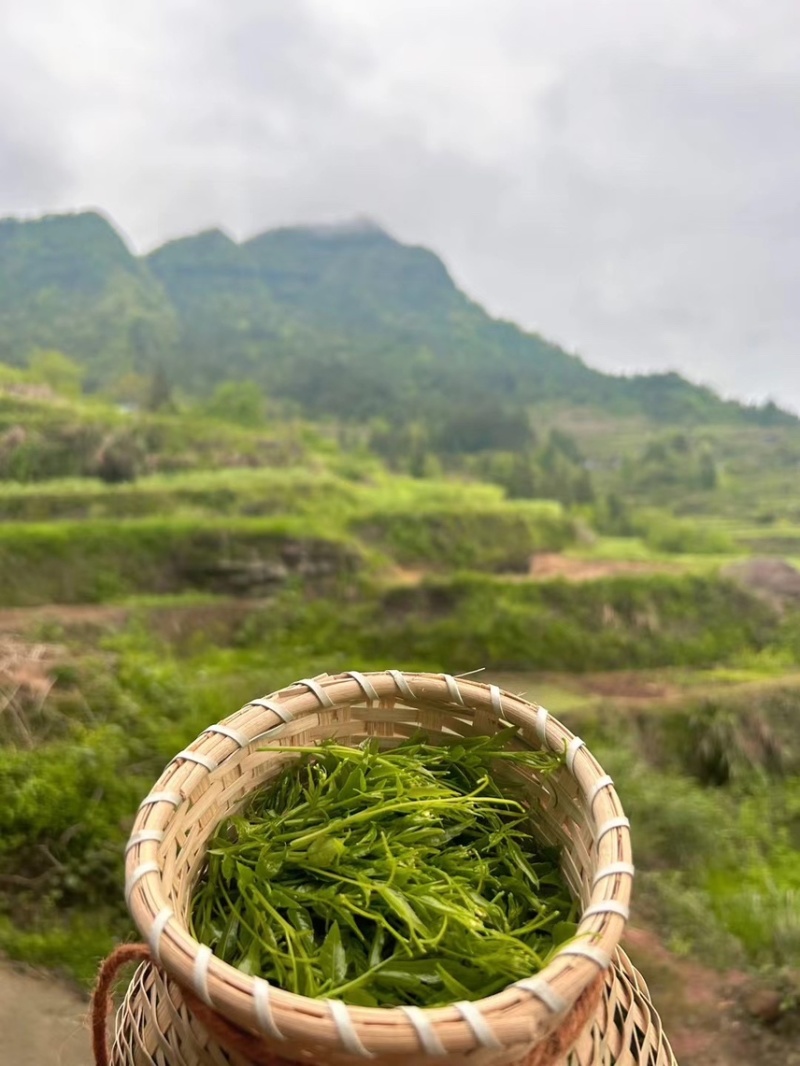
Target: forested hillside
{"points": [[342, 321]]}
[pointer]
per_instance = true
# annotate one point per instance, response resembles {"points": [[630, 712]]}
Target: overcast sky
{"points": [[620, 175]]}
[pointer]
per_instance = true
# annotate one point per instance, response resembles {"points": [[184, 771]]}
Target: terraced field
{"points": [[133, 615]]}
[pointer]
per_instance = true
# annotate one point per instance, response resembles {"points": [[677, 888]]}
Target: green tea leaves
{"points": [[332, 958], [403, 876]]}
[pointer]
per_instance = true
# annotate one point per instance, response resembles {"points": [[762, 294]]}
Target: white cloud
{"points": [[620, 175]]}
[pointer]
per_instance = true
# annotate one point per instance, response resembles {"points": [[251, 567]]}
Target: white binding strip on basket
{"points": [[541, 725], [156, 932], [602, 782], [175, 798], [140, 871], [607, 906], [232, 734], [156, 835], [198, 757], [612, 870], [573, 748], [612, 823], [497, 703], [346, 1029], [261, 994], [537, 986], [588, 951], [453, 690], [430, 1042], [402, 684], [366, 686], [201, 962], [283, 713], [484, 1033], [317, 689]]}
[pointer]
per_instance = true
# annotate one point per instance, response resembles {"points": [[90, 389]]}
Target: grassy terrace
{"points": [[168, 602]]}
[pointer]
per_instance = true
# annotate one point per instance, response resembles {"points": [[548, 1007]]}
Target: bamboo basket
{"points": [[589, 1007]]}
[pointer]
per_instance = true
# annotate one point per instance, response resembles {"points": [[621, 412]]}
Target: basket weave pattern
{"points": [[156, 1028], [576, 809]]}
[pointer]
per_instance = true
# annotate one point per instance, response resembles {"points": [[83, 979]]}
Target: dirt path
{"points": [[175, 622], [21, 619], [548, 565], [41, 1021], [714, 1018]]}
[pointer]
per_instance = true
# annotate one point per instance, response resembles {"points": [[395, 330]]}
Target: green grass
{"points": [[300, 490], [259, 492], [501, 538], [73, 945], [132, 705], [710, 859], [717, 863], [638, 550], [103, 561], [473, 621], [181, 532]]}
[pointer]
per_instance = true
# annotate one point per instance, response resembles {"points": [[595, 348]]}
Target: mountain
{"points": [[69, 282], [334, 319]]}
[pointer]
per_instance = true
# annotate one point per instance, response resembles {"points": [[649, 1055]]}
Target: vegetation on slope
{"points": [[395, 531], [342, 321], [715, 848]]}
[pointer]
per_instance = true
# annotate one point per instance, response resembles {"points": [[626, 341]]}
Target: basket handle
{"points": [[101, 995], [550, 1052], [227, 1034]]}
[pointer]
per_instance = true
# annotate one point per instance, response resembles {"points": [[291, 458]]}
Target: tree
{"points": [[53, 368], [612, 516], [707, 470], [159, 395], [488, 426], [560, 441], [522, 482], [237, 401], [582, 487]]}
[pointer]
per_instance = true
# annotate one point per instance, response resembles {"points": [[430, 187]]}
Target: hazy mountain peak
{"points": [[339, 317], [212, 236], [65, 228], [207, 246], [360, 226]]}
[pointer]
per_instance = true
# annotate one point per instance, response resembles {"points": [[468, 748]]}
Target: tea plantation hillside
{"points": [[224, 467]]}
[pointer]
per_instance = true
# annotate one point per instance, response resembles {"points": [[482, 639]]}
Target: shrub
{"points": [[675, 536]]}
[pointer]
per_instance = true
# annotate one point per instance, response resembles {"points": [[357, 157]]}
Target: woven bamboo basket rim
{"points": [[523, 1013]]}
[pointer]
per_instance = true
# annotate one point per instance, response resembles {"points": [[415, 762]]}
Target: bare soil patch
{"points": [[713, 1018], [774, 580], [42, 1021], [548, 565]]}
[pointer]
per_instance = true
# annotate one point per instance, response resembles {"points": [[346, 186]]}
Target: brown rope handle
{"points": [[101, 996], [550, 1052], [553, 1050]]}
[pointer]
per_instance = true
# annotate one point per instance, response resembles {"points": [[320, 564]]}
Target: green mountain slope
{"points": [[342, 320], [229, 322], [69, 282]]}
